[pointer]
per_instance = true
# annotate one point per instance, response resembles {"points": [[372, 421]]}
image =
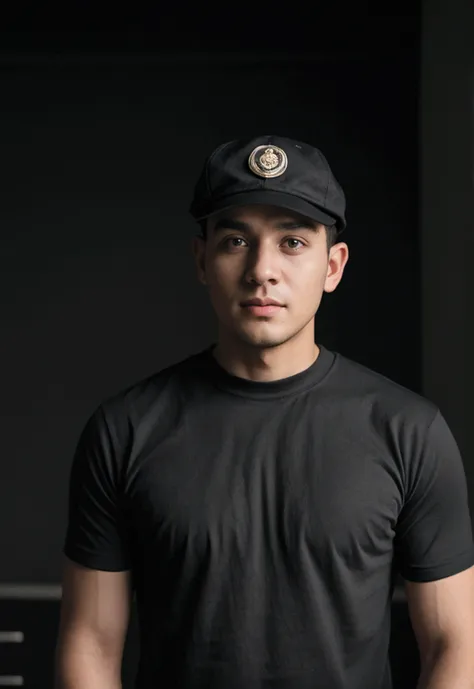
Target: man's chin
{"points": [[261, 339]]}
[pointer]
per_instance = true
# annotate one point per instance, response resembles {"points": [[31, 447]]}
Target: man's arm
{"points": [[95, 612], [442, 617]]}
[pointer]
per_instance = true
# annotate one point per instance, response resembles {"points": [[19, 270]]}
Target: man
{"points": [[260, 497]]}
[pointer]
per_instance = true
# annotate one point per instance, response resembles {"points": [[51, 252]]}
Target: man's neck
{"points": [[265, 364]]}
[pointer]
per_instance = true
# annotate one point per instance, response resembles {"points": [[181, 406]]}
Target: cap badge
{"points": [[268, 161]]}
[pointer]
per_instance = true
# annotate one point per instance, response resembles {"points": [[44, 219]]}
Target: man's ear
{"points": [[339, 255]]}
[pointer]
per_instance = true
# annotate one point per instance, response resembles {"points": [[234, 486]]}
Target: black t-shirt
{"points": [[264, 522]]}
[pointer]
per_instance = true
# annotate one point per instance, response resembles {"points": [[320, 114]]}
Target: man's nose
{"points": [[263, 265]]}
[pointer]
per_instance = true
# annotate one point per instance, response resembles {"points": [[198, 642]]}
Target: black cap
{"points": [[271, 170]]}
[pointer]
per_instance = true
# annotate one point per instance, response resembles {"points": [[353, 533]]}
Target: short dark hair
{"points": [[331, 233]]}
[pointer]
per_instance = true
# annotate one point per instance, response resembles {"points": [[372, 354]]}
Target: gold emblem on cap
{"points": [[268, 161]]}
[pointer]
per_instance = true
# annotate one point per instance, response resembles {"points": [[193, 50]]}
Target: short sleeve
{"points": [[434, 533], [96, 535]]}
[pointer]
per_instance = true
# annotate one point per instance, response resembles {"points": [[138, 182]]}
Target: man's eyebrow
{"points": [[295, 224], [230, 224], [240, 226]]}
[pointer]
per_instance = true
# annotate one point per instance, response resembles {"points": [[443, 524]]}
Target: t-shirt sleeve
{"points": [[434, 533], [96, 535]]}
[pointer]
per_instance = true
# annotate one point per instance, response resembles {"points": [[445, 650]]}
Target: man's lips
{"points": [[261, 302], [262, 307]]}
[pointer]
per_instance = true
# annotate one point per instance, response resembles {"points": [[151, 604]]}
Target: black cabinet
{"points": [[36, 622]]}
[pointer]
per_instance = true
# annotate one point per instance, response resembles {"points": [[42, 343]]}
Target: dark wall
{"points": [[100, 151], [447, 213]]}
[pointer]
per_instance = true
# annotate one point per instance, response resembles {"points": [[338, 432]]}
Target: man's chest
{"points": [[284, 484]]}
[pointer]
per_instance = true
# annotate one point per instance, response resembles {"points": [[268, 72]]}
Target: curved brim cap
{"points": [[271, 198], [270, 170]]}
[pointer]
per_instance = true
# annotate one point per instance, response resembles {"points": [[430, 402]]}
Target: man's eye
{"points": [[234, 242], [293, 239], [229, 240]]}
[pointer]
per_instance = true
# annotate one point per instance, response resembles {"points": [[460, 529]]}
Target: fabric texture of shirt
{"points": [[264, 523]]}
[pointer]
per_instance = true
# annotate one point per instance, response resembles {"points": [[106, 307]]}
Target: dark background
{"points": [[103, 134], [105, 120]]}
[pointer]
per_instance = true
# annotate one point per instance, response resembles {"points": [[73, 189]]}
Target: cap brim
{"points": [[272, 198]]}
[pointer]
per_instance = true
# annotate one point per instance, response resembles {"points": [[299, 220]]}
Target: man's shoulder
{"points": [[153, 388], [381, 394]]}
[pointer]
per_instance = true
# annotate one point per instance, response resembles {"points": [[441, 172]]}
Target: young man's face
{"points": [[267, 252]]}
